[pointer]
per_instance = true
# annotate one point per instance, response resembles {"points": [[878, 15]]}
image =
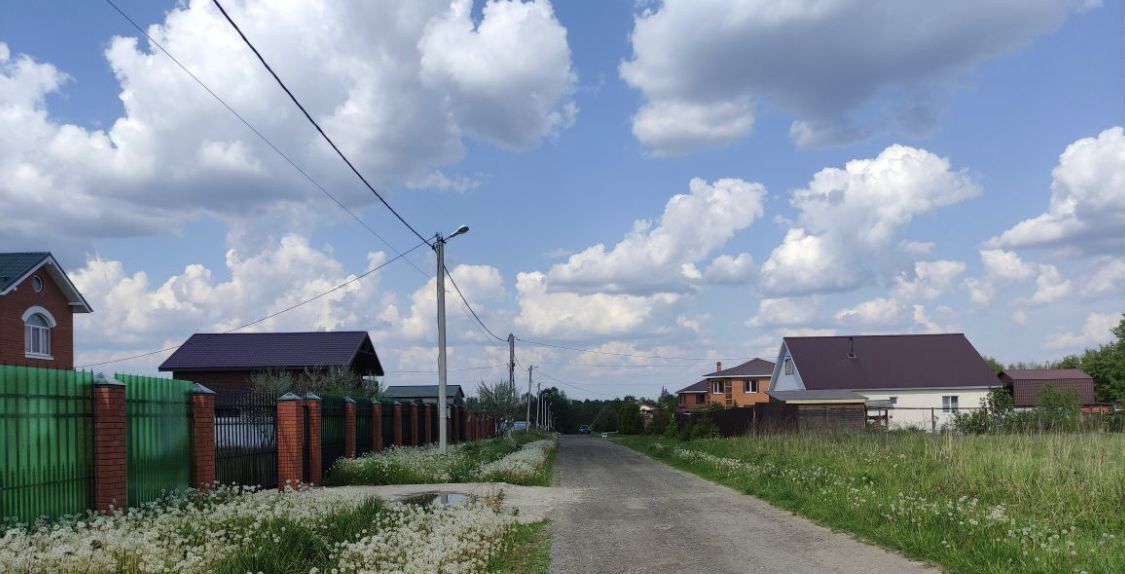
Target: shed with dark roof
{"points": [[1027, 384], [224, 362], [425, 393]]}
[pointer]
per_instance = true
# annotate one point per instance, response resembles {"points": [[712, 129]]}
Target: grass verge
{"points": [[526, 550], [484, 460], [995, 504]]}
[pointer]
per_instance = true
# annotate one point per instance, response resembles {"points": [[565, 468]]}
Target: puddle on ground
{"points": [[438, 499]]}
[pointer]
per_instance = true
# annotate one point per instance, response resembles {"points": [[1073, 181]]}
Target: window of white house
{"points": [[788, 366], [717, 387], [894, 400], [752, 386], [37, 336], [949, 403]]}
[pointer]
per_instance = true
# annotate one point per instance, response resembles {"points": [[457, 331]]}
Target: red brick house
{"points": [[739, 386], [225, 362], [37, 307]]}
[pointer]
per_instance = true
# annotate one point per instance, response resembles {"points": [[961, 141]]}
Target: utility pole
{"points": [[529, 367], [443, 408], [512, 362], [538, 402]]}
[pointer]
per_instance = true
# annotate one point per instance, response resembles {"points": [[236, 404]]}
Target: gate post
{"points": [[349, 427], [312, 422], [290, 441], [396, 419], [110, 460], [202, 437], [414, 424], [429, 422], [376, 426]]}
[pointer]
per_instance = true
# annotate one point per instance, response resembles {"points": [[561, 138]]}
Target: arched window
{"points": [[37, 324]]}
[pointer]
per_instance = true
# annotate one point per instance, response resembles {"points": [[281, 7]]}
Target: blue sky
{"points": [[551, 129]]}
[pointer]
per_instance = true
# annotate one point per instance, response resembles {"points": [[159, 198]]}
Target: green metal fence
{"points": [[158, 438], [46, 442]]}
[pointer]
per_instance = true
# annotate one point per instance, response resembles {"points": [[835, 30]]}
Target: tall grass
{"points": [[991, 503]]}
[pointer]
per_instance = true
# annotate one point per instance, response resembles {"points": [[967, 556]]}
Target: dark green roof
{"points": [[420, 392], [16, 265]]}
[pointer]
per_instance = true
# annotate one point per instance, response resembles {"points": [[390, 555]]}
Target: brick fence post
{"points": [[349, 427], [429, 434], [109, 445], [312, 412], [396, 421], [202, 437], [290, 441], [376, 426], [414, 424]]}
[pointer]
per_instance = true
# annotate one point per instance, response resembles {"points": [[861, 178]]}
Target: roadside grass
{"points": [[462, 463], [233, 532], [285, 546], [526, 550], [990, 503]]}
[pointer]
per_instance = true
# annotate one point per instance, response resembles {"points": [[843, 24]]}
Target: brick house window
{"points": [[37, 336], [717, 387], [751, 386], [700, 399]]}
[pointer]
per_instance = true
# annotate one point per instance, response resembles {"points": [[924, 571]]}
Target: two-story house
{"points": [[37, 306], [738, 386]]}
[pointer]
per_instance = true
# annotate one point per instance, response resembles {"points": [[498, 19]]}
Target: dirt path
{"points": [[633, 515]]}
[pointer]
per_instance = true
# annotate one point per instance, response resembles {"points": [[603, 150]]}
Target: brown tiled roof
{"points": [[700, 387], [889, 362], [751, 368], [1044, 374]]}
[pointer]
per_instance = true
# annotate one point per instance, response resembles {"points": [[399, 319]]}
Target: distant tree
{"points": [[500, 400], [629, 419], [993, 364], [606, 419]]}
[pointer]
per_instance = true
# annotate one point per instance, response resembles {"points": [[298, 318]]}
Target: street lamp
{"points": [[443, 408]]}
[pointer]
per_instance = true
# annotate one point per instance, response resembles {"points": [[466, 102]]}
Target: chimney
{"points": [[851, 347], [718, 366]]}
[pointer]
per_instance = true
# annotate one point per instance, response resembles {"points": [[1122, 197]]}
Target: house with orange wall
{"points": [[738, 386]]}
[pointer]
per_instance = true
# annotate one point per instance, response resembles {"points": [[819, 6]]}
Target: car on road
{"points": [[583, 429]]}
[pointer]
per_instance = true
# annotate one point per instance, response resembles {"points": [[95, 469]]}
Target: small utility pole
{"points": [[443, 408], [538, 402], [529, 367], [512, 362]]}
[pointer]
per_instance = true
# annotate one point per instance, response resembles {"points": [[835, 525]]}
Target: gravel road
{"points": [[633, 515]]}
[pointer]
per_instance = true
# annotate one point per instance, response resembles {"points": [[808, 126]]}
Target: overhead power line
{"points": [[470, 308], [309, 117], [261, 136], [271, 315], [629, 355], [572, 385]]}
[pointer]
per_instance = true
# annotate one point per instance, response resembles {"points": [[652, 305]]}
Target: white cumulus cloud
{"points": [[848, 216], [1086, 214], [702, 65]]}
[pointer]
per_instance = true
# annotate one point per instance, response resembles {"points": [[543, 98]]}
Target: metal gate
{"points": [[246, 439]]}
